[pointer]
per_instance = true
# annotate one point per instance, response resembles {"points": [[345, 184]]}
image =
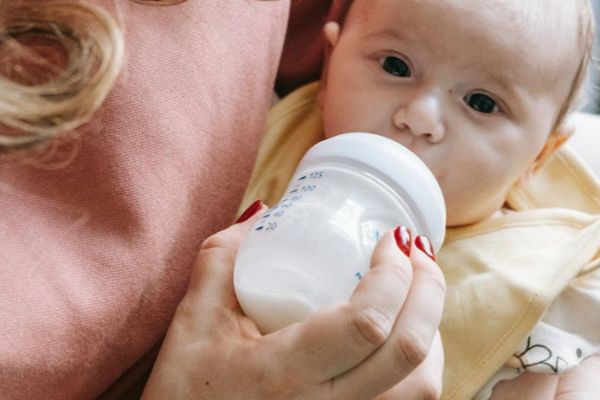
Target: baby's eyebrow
{"points": [[511, 90], [389, 33]]}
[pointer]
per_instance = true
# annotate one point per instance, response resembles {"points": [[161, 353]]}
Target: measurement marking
{"points": [[294, 191], [266, 216], [260, 228], [302, 178], [358, 275]]}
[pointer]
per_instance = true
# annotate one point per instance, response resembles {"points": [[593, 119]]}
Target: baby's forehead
{"points": [[538, 37]]}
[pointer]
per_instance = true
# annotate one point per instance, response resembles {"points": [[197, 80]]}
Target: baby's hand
{"points": [[357, 349], [580, 383], [527, 386]]}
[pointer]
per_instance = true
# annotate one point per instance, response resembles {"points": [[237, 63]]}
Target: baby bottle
{"points": [[314, 246]]}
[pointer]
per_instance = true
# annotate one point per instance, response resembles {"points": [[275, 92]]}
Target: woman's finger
{"points": [[210, 289], [412, 335], [425, 382], [341, 336]]}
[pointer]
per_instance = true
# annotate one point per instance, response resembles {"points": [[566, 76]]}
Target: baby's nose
{"points": [[423, 117]]}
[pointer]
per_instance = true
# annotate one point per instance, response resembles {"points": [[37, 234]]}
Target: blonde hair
{"points": [[36, 112]]}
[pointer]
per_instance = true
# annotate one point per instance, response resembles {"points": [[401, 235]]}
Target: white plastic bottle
{"points": [[313, 247]]}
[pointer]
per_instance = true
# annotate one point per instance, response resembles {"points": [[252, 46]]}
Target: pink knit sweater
{"points": [[94, 257]]}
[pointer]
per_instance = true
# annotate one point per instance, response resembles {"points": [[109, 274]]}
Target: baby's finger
{"points": [[412, 335], [341, 336], [425, 382]]}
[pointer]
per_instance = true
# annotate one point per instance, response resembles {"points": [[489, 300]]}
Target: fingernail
{"points": [[250, 211], [425, 246], [403, 237]]}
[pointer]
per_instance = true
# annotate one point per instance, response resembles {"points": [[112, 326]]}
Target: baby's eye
{"points": [[482, 103], [395, 66]]}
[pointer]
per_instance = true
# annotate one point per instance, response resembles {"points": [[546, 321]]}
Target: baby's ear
{"points": [[331, 31], [557, 138]]}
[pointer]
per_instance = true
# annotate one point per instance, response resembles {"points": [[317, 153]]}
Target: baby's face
{"points": [[474, 88]]}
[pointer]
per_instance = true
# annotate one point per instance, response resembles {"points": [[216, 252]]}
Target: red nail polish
{"points": [[403, 238], [425, 246], [250, 211]]}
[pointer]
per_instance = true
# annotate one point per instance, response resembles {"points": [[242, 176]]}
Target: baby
{"points": [[480, 92]]}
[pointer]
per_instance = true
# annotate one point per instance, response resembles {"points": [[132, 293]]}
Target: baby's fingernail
{"points": [[250, 211], [403, 238], [425, 246]]}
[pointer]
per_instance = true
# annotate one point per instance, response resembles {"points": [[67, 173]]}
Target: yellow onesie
{"points": [[502, 274]]}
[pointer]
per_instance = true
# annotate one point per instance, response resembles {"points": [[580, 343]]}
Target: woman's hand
{"points": [[380, 340]]}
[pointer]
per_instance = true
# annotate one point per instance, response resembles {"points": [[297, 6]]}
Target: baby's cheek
{"points": [[469, 201]]}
